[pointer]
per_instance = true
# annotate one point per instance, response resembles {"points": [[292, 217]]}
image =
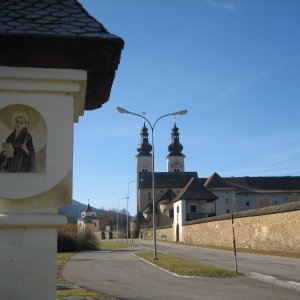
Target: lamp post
{"points": [[233, 239], [127, 208], [180, 113], [118, 218]]}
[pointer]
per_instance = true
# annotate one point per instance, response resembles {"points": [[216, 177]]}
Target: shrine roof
{"points": [[60, 34]]}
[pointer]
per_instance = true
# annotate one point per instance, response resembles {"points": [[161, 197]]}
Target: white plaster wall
{"points": [[27, 257], [179, 217], [59, 96], [175, 162], [143, 162], [57, 111], [28, 226]]}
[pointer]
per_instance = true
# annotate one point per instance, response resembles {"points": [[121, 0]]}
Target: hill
{"points": [[107, 217], [74, 209]]}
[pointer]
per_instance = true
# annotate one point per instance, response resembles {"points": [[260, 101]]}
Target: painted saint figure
{"points": [[18, 154]]}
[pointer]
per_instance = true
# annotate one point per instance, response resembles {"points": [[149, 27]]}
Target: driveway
{"points": [[122, 275]]}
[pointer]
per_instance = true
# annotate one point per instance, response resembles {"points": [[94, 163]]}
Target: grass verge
{"points": [[249, 250], [114, 245], [185, 267]]}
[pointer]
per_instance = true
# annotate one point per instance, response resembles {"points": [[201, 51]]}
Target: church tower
{"points": [[175, 159], [143, 160], [144, 157]]}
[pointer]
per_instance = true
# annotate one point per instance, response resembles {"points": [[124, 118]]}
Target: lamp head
{"points": [[181, 113], [122, 110]]}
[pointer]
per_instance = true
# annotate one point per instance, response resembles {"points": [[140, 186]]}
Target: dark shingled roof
{"points": [[60, 34], [215, 181], [167, 197], [139, 217], [88, 209], [65, 18], [195, 190], [287, 183], [148, 209], [166, 179]]}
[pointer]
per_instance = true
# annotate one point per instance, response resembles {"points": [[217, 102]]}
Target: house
{"points": [[194, 202]]}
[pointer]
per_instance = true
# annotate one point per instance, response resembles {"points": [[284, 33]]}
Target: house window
{"points": [[275, 202], [171, 213], [177, 209], [144, 170], [176, 170], [227, 211], [247, 203], [227, 201], [193, 208]]}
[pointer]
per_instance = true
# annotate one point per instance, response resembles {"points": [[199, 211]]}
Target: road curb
{"points": [[275, 281], [167, 271]]}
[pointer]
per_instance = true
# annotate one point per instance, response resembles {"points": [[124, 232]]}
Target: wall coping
{"points": [[38, 220], [275, 209]]}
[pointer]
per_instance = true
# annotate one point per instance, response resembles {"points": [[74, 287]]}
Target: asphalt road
{"points": [[122, 275]]}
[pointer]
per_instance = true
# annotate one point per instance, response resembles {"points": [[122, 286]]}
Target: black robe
{"points": [[21, 162]]}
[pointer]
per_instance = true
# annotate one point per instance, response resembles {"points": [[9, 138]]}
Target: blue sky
{"points": [[234, 65]]}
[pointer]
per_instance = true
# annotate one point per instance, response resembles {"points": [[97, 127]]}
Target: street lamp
{"points": [[127, 208], [127, 205], [180, 113], [118, 218]]}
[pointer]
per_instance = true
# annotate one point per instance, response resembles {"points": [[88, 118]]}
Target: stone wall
{"points": [[162, 233], [270, 228]]}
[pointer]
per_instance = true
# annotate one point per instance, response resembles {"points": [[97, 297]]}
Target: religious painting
{"points": [[22, 140]]}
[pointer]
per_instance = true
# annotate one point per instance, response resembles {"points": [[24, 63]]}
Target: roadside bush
{"points": [[70, 240]]}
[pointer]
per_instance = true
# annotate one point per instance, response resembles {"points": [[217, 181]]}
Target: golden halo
{"points": [[10, 112], [19, 114]]}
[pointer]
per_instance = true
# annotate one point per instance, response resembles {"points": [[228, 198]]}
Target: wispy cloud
{"points": [[225, 5], [274, 155], [241, 82]]}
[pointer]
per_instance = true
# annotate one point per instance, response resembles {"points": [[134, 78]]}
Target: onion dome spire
{"points": [[144, 148], [175, 147]]}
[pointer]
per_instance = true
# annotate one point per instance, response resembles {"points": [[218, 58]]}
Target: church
{"points": [[182, 196]]}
